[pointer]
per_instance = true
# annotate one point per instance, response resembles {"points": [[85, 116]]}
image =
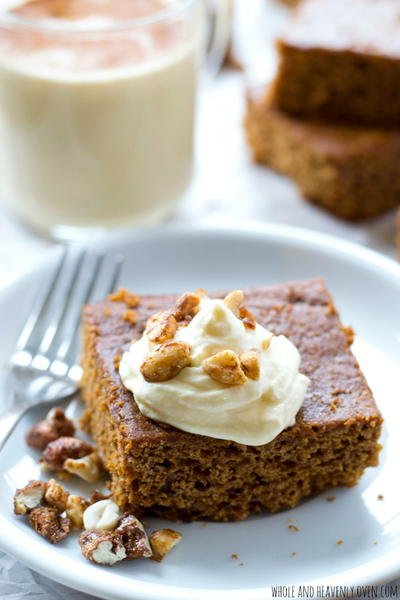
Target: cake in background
{"points": [[350, 171], [321, 120]]}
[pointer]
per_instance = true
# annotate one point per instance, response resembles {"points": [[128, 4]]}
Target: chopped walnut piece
{"points": [[234, 300], [57, 452], [128, 298], [47, 523], [186, 306], [247, 318], [29, 497], [134, 537], [166, 361], [162, 541], [88, 467], [130, 316], [75, 507], [55, 496], [117, 361], [224, 367], [101, 515], [54, 426], [250, 363], [102, 547], [161, 328]]}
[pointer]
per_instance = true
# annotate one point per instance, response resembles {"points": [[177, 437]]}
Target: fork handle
{"points": [[8, 422]]}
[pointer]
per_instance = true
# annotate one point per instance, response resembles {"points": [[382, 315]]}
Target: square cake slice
{"points": [[159, 469], [350, 171], [341, 60]]}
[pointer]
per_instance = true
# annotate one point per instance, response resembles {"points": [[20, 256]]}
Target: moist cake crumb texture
{"points": [[350, 171], [161, 470]]}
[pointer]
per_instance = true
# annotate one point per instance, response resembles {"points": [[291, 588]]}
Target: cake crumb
{"points": [[116, 361], [375, 543], [241, 564], [128, 298], [235, 556], [130, 316], [339, 542], [330, 498], [204, 525], [106, 311], [293, 528], [380, 496], [293, 554]]}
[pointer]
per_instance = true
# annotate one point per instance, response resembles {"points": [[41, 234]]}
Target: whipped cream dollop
{"points": [[251, 413]]}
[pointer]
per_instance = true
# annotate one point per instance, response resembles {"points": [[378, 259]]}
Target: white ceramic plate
{"points": [[366, 288]]}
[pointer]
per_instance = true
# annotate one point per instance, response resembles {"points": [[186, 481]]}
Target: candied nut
{"points": [[166, 361], [134, 537], [88, 467], [250, 364], [128, 298], [161, 327], [29, 497], [55, 496], [130, 316], [76, 506], [96, 495], [186, 306], [41, 434], [234, 300], [47, 523], [101, 515], [102, 547], [162, 541], [224, 367], [60, 422], [248, 320], [54, 426], [57, 452]]}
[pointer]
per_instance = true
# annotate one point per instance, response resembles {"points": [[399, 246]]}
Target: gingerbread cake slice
{"points": [[350, 171], [165, 471], [340, 60]]}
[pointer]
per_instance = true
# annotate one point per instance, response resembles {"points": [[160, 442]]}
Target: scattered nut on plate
{"points": [[101, 515], [48, 523], [29, 497], [102, 547], [55, 496], [134, 537], [88, 467], [57, 452], [75, 507], [54, 426], [162, 541]]}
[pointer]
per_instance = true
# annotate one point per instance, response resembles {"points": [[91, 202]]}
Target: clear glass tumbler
{"points": [[97, 105]]}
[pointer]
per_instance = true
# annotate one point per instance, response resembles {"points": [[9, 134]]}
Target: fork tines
{"points": [[49, 340]]}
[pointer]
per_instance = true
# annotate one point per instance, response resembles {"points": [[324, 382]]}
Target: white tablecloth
{"points": [[226, 183]]}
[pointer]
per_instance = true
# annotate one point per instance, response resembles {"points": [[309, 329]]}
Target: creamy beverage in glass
{"points": [[97, 101]]}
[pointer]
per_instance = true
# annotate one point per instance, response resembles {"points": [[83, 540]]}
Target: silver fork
{"points": [[43, 368]]}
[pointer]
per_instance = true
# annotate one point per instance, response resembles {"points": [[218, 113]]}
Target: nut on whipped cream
{"points": [[205, 366]]}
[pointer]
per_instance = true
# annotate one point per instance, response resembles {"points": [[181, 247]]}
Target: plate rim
{"points": [[387, 567]]}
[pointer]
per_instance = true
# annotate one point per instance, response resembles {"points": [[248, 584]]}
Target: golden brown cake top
{"points": [[337, 396]]}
